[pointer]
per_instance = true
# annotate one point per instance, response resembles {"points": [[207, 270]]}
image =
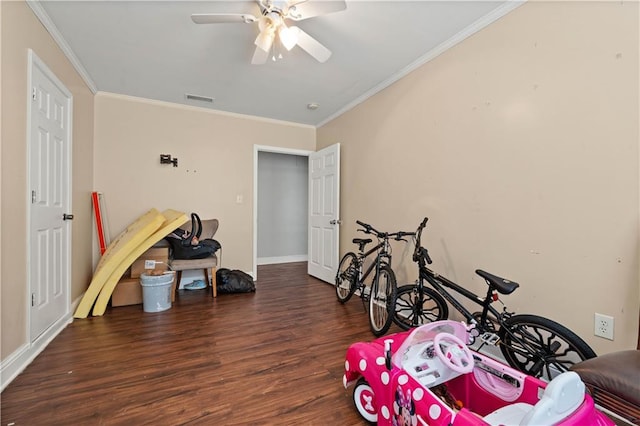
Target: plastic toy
{"points": [[428, 376]]}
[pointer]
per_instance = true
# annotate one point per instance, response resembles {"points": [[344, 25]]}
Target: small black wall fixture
{"points": [[166, 159]]}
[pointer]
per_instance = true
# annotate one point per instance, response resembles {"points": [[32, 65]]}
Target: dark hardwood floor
{"points": [[275, 356]]}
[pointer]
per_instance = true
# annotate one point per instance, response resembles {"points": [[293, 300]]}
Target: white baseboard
{"points": [[15, 363], [282, 259]]}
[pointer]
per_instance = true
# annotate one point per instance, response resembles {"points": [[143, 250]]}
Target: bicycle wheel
{"points": [[541, 347], [346, 277], [383, 293], [407, 312]]}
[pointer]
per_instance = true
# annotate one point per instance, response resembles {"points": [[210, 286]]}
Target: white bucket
{"points": [[156, 292]]}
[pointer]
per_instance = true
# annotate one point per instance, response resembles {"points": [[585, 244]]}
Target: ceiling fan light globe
{"points": [[288, 36], [266, 23]]}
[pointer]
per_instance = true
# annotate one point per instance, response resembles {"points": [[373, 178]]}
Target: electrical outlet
{"points": [[603, 326]]}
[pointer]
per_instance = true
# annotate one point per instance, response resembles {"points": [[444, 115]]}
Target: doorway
{"points": [[282, 208], [279, 203]]}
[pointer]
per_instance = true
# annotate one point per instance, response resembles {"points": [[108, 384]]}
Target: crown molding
{"points": [[476, 26], [42, 16], [168, 104]]}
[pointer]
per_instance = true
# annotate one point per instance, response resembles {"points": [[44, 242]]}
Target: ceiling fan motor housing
{"points": [[278, 6]]}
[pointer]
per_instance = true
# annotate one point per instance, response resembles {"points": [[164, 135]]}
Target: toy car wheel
{"points": [[365, 401]]}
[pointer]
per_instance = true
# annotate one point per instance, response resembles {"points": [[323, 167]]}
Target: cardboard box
{"points": [[128, 291], [157, 254]]}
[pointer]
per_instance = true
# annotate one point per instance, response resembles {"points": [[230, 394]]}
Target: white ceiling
{"points": [[152, 49]]}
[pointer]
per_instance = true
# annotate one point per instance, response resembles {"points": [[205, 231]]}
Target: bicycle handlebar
{"points": [[400, 234], [368, 229]]}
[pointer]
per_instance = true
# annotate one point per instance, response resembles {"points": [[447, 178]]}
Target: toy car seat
{"points": [[562, 396]]}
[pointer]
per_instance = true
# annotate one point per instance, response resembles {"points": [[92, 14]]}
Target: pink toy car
{"points": [[428, 376]]}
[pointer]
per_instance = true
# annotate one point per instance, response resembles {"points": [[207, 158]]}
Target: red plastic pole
{"points": [[98, 216]]}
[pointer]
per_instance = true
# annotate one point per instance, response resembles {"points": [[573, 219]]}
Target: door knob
{"points": [[335, 222], [67, 216]]}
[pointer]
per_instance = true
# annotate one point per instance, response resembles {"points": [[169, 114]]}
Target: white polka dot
{"points": [[344, 381], [363, 364], [403, 379], [346, 365], [434, 411], [418, 393], [380, 360], [384, 377], [385, 411]]}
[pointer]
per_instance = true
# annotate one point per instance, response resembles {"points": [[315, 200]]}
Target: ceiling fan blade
{"points": [[308, 9], [312, 46], [259, 56], [223, 18]]}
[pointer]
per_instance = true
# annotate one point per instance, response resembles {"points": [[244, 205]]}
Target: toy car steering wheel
{"points": [[456, 355]]}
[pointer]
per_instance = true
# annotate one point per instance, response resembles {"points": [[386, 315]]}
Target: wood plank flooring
{"points": [[275, 356]]}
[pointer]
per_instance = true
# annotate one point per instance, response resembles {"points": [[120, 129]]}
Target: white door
{"points": [[49, 180], [324, 213]]}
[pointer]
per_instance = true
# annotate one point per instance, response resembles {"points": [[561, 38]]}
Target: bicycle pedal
{"points": [[490, 339]]}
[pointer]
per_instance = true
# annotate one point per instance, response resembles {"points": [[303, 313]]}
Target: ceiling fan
{"points": [[271, 23]]}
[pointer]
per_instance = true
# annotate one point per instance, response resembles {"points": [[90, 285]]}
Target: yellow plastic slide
{"points": [[117, 251], [172, 220]]}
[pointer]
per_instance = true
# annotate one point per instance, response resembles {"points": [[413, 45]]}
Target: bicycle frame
{"points": [[382, 258], [380, 291], [439, 283], [486, 335]]}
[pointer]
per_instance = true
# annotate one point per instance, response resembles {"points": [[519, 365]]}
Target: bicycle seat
{"points": [[361, 242], [503, 285]]}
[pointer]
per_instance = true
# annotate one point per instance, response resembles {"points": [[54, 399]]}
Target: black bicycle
{"points": [[533, 344], [351, 277]]}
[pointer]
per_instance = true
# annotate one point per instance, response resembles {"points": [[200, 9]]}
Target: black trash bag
{"points": [[236, 281]]}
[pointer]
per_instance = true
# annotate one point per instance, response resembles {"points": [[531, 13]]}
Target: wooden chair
{"points": [[208, 264]]}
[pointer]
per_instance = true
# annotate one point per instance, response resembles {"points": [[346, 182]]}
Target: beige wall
{"points": [[20, 30], [215, 164], [521, 146]]}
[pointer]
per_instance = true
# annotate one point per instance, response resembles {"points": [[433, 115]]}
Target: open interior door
{"points": [[324, 213]]}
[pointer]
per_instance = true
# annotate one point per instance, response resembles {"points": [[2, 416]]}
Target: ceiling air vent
{"points": [[198, 98]]}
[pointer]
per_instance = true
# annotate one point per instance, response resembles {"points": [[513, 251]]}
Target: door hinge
{"points": [[33, 196], [34, 94], [33, 299]]}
